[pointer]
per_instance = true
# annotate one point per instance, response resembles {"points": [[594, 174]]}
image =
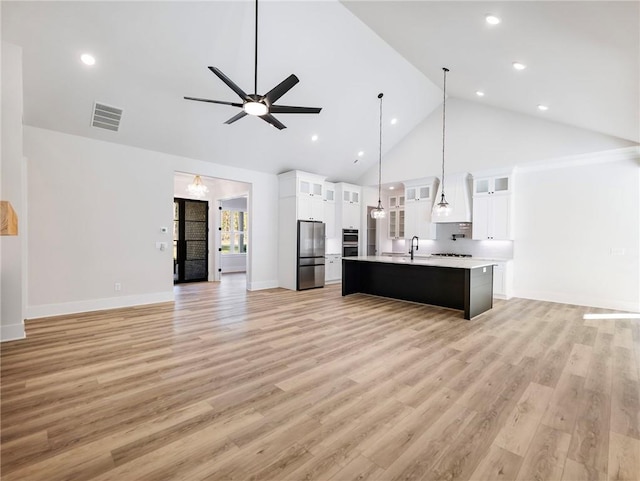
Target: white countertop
{"points": [[431, 256], [455, 262]]}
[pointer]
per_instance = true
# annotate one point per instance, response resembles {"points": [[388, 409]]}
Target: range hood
{"points": [[458, 195]]}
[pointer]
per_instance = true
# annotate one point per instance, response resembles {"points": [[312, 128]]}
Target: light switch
{"points": [[161, 245]]}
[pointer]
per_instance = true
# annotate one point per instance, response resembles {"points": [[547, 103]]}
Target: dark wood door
{"points": [[190, 240]]}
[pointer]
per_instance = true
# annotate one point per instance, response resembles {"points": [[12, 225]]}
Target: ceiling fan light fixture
{"points": [[255, 108]]}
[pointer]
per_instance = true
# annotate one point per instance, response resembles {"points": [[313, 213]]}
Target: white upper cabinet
{"points": [[492, 206], [351, 196], [329, 192], [348, 209], [310, 187], [499, 184], [396, 217], [308, 190], [311, 208], [396, 201], [418, 204], [419, 192], [330, 209]]}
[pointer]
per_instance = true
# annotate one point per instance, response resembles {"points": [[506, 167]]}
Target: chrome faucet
{"points": [[416, 246]]}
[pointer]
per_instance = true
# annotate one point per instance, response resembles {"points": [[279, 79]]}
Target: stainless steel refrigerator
{"points": [[310, 254]]}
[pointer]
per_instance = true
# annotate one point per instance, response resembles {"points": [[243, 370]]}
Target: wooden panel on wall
{"points": [[8, 219]]}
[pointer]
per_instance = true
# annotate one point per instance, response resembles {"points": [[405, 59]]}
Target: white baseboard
{"points": [[614, 304], [12, 332], [258, 286], [48, 310]]}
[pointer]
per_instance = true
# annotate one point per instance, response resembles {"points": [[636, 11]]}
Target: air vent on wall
{"points": [[106, 117]]}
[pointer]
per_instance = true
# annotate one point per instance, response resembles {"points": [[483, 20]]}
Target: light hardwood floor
{"points": [[277, 385]]}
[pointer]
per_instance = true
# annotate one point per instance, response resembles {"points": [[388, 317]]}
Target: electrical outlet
{"points": [[117, 286]]}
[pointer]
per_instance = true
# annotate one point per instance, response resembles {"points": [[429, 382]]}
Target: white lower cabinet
{"points": [[503, 279], [332, 267]]}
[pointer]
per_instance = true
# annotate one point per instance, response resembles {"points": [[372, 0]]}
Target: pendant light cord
{"points": [[255, 64], [380, 154], [444, 108]]}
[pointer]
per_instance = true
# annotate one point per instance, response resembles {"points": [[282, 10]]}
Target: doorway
{"points": [[218, 190], [190, 240]]}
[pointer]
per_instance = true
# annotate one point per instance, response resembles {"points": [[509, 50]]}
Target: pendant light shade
{"points": [[197, 188], [378, 212], [443, 208]]}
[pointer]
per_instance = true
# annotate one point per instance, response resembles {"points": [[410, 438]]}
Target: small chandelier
{"points": [[378, 212], [443, 208], [197, 188]]}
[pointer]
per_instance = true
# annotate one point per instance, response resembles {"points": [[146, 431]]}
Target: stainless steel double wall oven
{"points": [[349, 242]]}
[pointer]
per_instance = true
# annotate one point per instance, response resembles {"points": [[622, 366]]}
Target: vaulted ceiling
{"points": [[582, 61]]}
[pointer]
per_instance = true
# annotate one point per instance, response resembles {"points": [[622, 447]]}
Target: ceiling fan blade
{"points": [[273, 121], [236, 117], [234, 104], [230, 83], [282, 88], [287, 109]]}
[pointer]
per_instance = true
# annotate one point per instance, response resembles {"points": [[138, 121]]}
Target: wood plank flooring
{"points": [[278, 385]]}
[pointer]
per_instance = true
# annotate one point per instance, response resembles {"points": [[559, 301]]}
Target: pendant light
{"points": [[378, 212], [443, 208], [197, 188]]}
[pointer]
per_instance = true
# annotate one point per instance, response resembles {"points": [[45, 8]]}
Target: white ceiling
{"points": [[582, 57]]}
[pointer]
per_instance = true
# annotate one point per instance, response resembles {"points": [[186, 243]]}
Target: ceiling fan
{"points": [[260, 105]]}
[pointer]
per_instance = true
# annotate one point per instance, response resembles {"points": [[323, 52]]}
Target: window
{"points": [[235, 226]]}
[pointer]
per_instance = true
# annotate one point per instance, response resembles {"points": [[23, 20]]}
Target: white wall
{"points": [[12, 189], [95, 213], [480, 137], [577, 229]]}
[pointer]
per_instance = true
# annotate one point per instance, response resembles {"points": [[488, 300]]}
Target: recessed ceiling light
{"points": [[479, 93], [543, 107], [360, 154], [519, 66], [87, 59], [394, 121], [314, 138], [391, 188], [492, 20]]}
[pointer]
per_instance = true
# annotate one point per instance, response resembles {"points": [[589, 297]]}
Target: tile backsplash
{"points": [[445, 243]]}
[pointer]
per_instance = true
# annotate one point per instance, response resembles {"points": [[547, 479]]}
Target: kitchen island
{"points": [[463, 284]]}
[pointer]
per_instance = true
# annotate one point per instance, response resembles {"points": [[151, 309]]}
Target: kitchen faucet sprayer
{"points": [[412, 246]]}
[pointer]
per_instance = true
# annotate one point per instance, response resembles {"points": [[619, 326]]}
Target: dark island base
{"points": [[470, 290]]}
